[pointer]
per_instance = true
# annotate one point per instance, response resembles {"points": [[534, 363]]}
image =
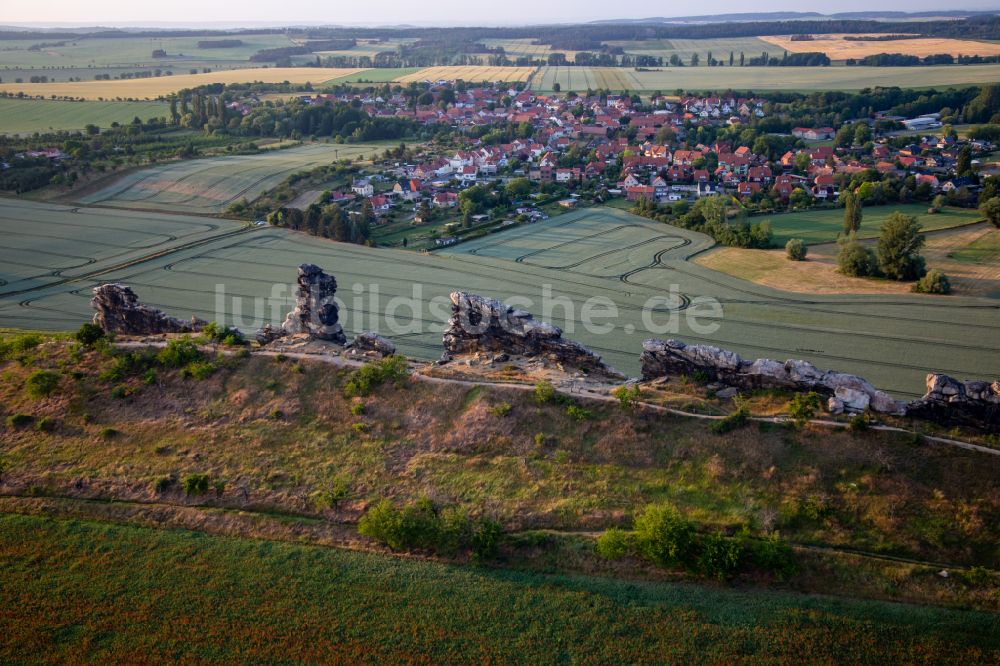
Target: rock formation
{"points": [[846, 392], [480, 324], [268, 334], [119, 311], [951, 402], [316, 313], [372, 343]]}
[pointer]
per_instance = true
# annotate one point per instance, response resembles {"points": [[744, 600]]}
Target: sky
{"points": [[395, 12]]}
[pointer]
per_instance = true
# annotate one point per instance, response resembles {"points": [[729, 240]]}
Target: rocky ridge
{"points": [[947, 401], [119, 311], [481, 324]]}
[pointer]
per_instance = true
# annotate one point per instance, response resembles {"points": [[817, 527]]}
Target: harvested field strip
{"points": [[838, 48], [766, 78], [157, 87], [720, 47], [468, 73]]}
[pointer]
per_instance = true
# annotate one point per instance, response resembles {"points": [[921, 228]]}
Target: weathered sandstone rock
{"points": [[663, 357], [369, 342], [480, 324], [951, 402], [119, 311]]}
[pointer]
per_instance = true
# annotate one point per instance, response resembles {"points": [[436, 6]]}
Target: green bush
{"points": [[500, 409], [108, 433], [802, 407], [486, 537], [628, 396], [935, 282], [89, 334], [616, 543], [372, 375], [856, 260], [195, 484], [200, 370], [231, 337], [358, 408], [578, 413], [164, 483], [19, 420], [178, 353], [42, 383], [737, 419], [124, 365], [719, 557], [339, 491], [420, 526], [771, 554], [18, 344], [977, 577], [121, 391], [46, 424], [796, 250], [664, 537], [700, 377], [859, 423], [545, 392]]}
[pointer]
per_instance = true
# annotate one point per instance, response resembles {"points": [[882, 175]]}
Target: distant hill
{"points": [[793, 16]]}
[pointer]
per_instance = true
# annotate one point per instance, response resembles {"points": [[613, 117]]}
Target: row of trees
{"points": [[710, 215], [331, 221]]}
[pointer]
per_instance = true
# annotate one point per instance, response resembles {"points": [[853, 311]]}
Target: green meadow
{"points": [[24, 116], [115, 593]]}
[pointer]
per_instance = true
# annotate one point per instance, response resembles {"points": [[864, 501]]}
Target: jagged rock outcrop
{"points": [[372, 343], [847, 392], [269, 333], [951, 402], [119, 311], [480, 324], [316, 312]]}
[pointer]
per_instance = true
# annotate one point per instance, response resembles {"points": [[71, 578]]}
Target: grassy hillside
{"points": [[121, 593], [274, 435]]}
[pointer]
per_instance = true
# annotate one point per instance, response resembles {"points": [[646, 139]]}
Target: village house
{"points": [[363, 188]]}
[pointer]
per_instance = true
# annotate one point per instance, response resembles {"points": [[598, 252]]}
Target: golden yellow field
{"points": [[469, 73], [839, 48], [154, 88]]}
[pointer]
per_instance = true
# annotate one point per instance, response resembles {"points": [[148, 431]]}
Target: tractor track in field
{"points": [[123, 265]]}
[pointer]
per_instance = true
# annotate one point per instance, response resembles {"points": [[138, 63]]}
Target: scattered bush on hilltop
{"points": [[372, 375]]}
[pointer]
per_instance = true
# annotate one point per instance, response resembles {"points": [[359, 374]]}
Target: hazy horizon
{"points": [[188, 13]]}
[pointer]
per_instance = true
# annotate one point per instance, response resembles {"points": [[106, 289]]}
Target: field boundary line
{"points": [[329, 532]]}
